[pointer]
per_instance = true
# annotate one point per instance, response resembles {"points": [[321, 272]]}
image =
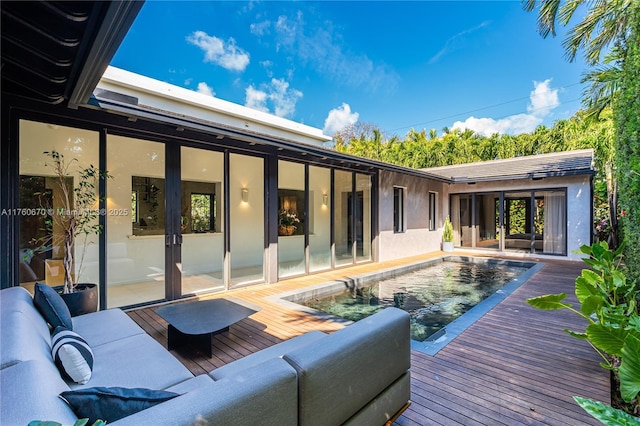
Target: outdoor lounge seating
{"points": [[358, 375]]}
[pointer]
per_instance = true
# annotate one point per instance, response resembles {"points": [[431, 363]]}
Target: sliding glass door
{"points": [[524, 221], [136, 237], [202, 220]]}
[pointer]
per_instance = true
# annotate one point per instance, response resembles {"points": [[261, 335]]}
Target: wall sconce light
{"points": [[325, 199], [245, 195]]}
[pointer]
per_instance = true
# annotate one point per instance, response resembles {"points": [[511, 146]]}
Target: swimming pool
{"points": [[443, 296]]}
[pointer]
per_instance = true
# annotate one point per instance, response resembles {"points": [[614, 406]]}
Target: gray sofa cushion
{"points": [[135, 362], [191, 384], [18, 299], [343, 372], [264, 395], [384, 406], [19, 340], [105, 326], [30, 392], [275, 351]]}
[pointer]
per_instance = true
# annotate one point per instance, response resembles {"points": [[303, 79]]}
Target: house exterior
{"points": [[206, 195], [539, 204]]}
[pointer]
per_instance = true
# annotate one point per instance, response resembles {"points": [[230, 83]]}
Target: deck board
{"points": [[514, 365]]}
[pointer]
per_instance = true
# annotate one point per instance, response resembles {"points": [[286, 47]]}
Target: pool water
{"points": [[434, 296]]}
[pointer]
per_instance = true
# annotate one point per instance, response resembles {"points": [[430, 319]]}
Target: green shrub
{"points": [[627, 121]]}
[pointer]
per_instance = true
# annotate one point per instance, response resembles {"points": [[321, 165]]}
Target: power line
{"points": [[484, 108]]}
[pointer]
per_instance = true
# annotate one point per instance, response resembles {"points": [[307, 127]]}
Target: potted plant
{"points": [[287, 222], [447, 236], [73, 213]]}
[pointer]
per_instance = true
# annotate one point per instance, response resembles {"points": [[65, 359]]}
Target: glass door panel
{"points": [[487, 220], [202, 220], [342, 210], [461, 206], [519, 232], [43, 211], [319, 218], [363, 217], [246, 197], [551, 220], [135, 221], [291, 219]]}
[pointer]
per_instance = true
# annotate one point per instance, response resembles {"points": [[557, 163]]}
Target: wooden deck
{"points": [[513, 366]]}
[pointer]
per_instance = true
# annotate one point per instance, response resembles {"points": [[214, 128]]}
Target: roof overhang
{"points": [[56, 52]]}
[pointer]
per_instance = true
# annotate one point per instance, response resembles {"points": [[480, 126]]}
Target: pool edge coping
{"points": [[451, 330]]}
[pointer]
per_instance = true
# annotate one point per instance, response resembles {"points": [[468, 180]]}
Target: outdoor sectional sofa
{"points": [[358, 375]]}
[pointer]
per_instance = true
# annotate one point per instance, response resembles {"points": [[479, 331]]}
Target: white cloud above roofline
{"points": [[542, 101]]}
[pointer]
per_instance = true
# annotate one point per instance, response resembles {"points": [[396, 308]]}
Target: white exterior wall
{"points": [[170, 98], [417, 239], [579, 203]]}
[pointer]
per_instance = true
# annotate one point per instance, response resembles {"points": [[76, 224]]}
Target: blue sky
{"points": [[398, 65]]}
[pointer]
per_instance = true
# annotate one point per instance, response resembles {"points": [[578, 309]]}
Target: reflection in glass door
{"points": [[135, 221], [246, 221], [319, 218], [363, 217], [202, 220], [343, 190], [291, 219]]}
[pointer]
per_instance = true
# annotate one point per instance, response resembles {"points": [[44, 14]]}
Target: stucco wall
{"points": [[417, 239]]}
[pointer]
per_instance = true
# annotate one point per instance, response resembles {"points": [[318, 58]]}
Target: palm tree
{"points": [[606, 22]]}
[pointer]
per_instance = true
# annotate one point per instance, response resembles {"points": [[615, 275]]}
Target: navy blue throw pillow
{"points": [[111, 404], [51, 306]]}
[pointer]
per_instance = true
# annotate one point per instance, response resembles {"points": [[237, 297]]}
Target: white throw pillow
{"points": [[72, 355]]}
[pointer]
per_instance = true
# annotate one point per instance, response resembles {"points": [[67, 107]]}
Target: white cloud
{"points": [[453, 43], [205, 89], [339, 118], [276, 94], [228, 55], [260, 28], [542, 101], [321, 48], [256, 99]]}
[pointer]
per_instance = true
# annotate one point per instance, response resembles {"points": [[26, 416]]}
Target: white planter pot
{"points": [[447, 246]]}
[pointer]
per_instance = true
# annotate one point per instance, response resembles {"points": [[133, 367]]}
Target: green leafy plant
{"points": [[74, 212], [605, 413], [447, 231], [608, 302]]}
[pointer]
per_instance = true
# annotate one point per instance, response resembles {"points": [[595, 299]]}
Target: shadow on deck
{"points": [[514, 365]]}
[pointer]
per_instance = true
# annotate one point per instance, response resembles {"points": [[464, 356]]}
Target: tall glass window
{"points": [[362, 233], [461, 206], [135, 235], [342, 211], [291, 218], [551, 214], [202, 220], [319, 218], [246, 197], [46, 203], [487, 220]]}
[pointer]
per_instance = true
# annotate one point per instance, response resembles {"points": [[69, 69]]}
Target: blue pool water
{"points": [[434, 296]]}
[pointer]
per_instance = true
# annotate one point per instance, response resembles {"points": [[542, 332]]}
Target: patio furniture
{"points": [[358, 375], [195, 323]]}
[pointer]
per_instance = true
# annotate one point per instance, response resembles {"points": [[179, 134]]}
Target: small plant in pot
{"points": [[72, 219], [447, 235]]}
